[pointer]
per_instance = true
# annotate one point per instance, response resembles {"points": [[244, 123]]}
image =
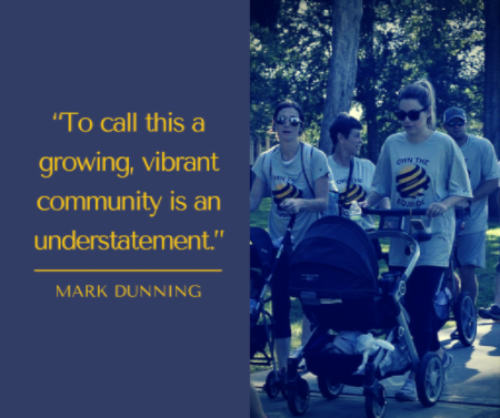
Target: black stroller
{"points": [[334, 273], [261, 262], [264, 260]]}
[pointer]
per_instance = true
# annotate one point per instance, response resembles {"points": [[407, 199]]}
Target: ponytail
{"points": [[423, 92]]}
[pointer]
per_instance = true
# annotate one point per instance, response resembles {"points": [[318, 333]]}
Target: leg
{"points": [[469, 280], [306, 330], [493, 312], [282, 347], [422, 287], [497, 289], [281, 312], [454, 285], [471, 254]]}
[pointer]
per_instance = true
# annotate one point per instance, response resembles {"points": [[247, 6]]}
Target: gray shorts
{"points": [[471, 249]]}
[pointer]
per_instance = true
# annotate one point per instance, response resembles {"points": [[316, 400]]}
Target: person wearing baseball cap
{"points": [[481, 162]]}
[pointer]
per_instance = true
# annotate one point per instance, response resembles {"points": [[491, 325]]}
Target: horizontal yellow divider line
{"points": [[128, 270]]}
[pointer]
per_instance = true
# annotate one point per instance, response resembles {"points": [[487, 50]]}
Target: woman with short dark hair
{"points": [[347, 167], [297, 176]]}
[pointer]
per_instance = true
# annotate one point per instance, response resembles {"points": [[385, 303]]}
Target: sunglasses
{"points": [[456, 123], [413, 115], [294, 120]]}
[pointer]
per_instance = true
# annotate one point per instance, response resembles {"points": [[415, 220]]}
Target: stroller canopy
{"points": [[261, 251], [335, 259]]}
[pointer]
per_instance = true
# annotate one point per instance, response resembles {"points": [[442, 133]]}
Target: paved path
{"points": [[472, 389]]}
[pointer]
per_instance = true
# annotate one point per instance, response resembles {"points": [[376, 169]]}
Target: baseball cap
{"points": [[454, 112]]}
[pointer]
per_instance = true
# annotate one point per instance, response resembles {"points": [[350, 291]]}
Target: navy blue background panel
{"points": [[181, 356]]}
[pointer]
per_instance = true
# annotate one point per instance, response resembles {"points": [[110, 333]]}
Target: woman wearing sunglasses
{"points": [[297, 176], [422, 168]]}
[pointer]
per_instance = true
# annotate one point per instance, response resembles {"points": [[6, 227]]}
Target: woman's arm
{"points": [[373, 199], [385, 203], [318, 204], [438, 208], [257, 193]]}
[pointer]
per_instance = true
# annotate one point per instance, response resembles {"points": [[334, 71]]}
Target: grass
{"points": [[486, 277]]}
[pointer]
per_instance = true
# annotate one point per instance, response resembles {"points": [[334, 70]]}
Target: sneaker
{"points": [[493, 312], [408, 391], [447, 360], [454, 335]]}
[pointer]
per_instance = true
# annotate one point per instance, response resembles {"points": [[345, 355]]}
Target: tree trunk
{"points": [[370, 88], [372, 129], [491, 129], [343, 64]]}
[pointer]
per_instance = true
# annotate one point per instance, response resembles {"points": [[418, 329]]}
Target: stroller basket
{"points": [[341, 368]]}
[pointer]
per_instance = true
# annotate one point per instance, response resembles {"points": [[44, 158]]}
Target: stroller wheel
{"points": [[430, 379], [329, 390], [298, 397], [271, 387], [375, 408], [465, 315]]}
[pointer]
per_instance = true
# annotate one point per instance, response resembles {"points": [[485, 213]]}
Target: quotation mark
{"points": [[217, 234]]}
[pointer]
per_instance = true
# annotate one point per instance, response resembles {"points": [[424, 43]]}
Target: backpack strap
{"points": [[351, 169], [307, 155], [306, 158]]}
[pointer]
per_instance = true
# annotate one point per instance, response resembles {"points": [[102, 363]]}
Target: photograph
{"points": [[374, 208]]}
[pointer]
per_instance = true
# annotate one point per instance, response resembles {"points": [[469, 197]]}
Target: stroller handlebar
{"points": [[395, 212]]}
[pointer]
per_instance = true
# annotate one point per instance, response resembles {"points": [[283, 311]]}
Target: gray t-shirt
{"points": [[361, 182], [414, 175], [291, 172], [481, 163]]}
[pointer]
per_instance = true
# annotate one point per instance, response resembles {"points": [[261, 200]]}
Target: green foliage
{"points": [[400, 42], [403, 41], [290, 62]]}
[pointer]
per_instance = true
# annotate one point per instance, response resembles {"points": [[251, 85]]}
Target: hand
{"points": [[363, 204], [436, 209], [464, 204], [291, 205]]}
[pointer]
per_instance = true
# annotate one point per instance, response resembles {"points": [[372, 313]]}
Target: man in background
{"points": [[493, 312], [481, 163]]}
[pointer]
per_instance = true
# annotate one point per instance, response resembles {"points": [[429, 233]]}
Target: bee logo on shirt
{"points": [[412, 181], [355, 193], [285, 191]]}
